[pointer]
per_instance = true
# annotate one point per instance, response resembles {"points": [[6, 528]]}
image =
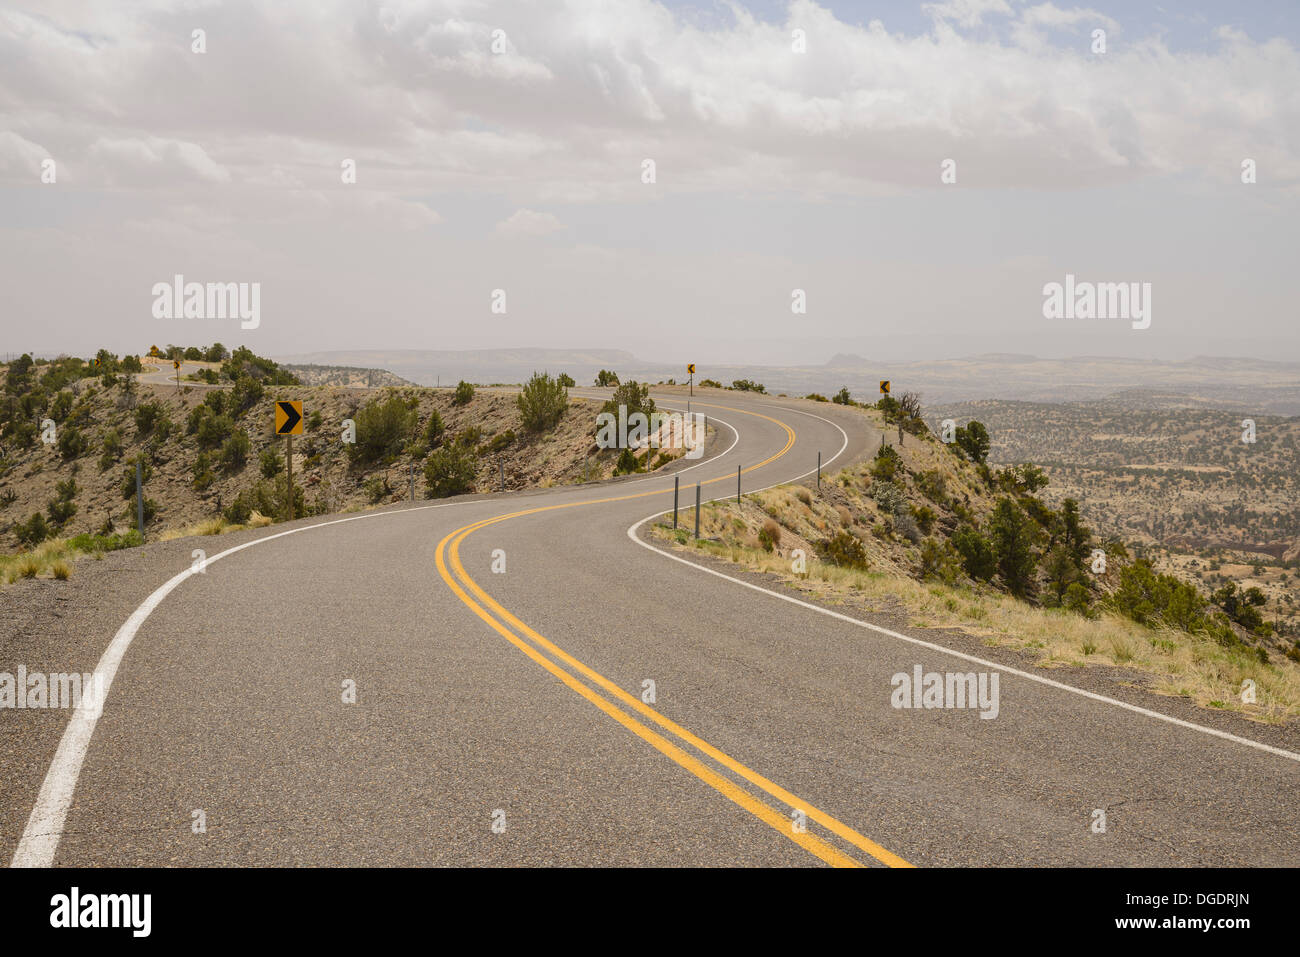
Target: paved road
{"points": [[166, 375], [515, 698]]}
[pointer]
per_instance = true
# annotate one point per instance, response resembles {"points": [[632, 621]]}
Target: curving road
{"points": [[500, 720]]}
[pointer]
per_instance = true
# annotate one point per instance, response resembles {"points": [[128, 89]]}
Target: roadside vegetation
{"points": [[210, 464], [929, 530]]}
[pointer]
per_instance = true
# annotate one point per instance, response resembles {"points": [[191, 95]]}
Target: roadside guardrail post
{"points": [[819, 470], [697, 509], [139, 497], [676, 480], [737, 484]]}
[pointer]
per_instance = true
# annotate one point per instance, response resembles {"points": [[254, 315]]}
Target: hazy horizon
{"points": [[503, 147]]}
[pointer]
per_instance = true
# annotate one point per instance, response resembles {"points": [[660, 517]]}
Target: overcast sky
{"points": [[775, 170]]}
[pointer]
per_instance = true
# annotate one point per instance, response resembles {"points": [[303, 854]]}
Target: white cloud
{"points": [[151, 161], [20, 159], [587, 89], [526, 223]]}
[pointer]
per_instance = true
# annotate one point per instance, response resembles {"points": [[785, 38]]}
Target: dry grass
{"points": [[216, 526], [1177, 663], [50, 557]]}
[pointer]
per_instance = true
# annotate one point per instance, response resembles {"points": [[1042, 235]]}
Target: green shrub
{"points": [[769, 536], [105, 542], [815, 396], [747, 385], [271, 462], [933, 485], [243, 362], [214, 430], [976, 551], [112, 450], [1149, 597], [973, 441], [450, 470], [1077, 598], [433, 430], [234, 452], [842, 397], [500, 442], [384, 426], [203, 475], [940, 560], [246, 394], [464, 393], [890, 497], [240, 510], [606, 378], [844, 549], [542, 402], [32, 532], [565, 380], [1014, 536], [377, 488], [924, 516], [71, 442], [886, 464], [147, 415], [627, 463], [61, 508], [633, 395]]}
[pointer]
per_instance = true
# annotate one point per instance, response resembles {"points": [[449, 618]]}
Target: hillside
{"points": [[1171, 475], [927, 530], [346, 377], [210, 458]]}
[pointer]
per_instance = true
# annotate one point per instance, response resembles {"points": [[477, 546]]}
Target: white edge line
{"points": [[40, 840], [1215, 732], [44, 828]]}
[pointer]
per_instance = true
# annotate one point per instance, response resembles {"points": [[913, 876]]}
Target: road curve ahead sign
{"points": [[288, 418]]}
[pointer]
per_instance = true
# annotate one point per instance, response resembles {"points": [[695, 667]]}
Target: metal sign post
{"points": [[288, 461], [139, 497], [288, 422]]}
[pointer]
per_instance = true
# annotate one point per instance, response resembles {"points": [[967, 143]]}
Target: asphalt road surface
{"points": [[502, 717]]}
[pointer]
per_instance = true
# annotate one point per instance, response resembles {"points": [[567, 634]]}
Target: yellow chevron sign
{"points": [[288, 418]]}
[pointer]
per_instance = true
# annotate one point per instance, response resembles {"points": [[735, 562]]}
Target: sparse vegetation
{"points": [[542, 402], [450, 470]]}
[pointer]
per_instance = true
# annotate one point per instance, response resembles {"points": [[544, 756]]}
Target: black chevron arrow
{"points": [[291, 417]]}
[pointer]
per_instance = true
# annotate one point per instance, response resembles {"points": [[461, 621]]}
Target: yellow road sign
{"points": [[176, 363], [884, 387], [288, 418], [691, 368]]}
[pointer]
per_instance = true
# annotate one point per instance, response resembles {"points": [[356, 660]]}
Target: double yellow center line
{"points": [[534, 644]]}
